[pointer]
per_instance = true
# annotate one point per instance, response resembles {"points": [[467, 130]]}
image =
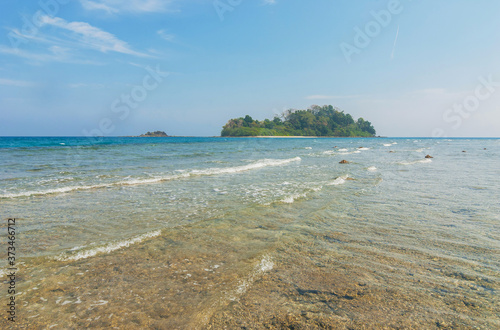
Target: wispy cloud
{"points": [[331, 97], [132, 6], [16, 83], [165, 35], [92, 5], [83, 85], [92, 37], [54, 54], [319, 97]]}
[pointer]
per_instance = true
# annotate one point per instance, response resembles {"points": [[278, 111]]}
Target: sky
{"points": [[124, 67]]}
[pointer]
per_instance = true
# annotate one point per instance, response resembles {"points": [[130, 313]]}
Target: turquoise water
{"points": [[249, 231]]}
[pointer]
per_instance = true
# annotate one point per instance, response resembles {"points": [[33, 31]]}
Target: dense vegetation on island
{"points": [[154, 134], [315, 121]]}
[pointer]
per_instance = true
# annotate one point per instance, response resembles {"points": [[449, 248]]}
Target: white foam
{"points": [[97, 186], [423, 161], [394, 143], [328, 152], [292, 198], [387, 144], [363, 148], [346, 152], [338, 181], [308, 148], [211, 171], [265, 265], [259, 164], [372, 168], [108, 248]]}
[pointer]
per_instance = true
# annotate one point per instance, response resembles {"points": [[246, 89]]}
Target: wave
{"points": [[259, 164], [292, 198], [363, 148], [347, 152], [372, 168], [387, 144], [338, 181], [107, 248], [423, 161], [96, 186], [289, 199], [211, 171]]}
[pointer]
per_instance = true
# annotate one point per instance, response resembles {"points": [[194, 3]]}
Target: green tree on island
{"points": [[315, 121]]}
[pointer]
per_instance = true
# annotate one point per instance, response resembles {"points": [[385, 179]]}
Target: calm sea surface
{"points": [[211, 233]]}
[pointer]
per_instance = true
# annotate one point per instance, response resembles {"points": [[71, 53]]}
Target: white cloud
{"points": [[83, 85], [331, 97], [56, 54], [91, 5], [38, 57], [318, 97], [16, 83], [165, 35], [134, 6], [91, 37]]}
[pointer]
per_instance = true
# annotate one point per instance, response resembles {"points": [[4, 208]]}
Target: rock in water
{"points": [[154, 134], [428, 156], [343, 161]]}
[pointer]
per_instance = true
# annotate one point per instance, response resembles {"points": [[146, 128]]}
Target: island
{"points": [[315, 121], [154, 134]]}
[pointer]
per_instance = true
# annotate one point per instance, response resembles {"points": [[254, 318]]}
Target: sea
{"points": [[250, 233]]}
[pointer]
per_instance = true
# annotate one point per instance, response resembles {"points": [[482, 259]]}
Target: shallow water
{"points": [[258, 233]]}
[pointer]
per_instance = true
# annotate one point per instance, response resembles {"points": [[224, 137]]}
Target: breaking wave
{"points": [[338, 181], [210, 171], [423, 161], [107, 248]]}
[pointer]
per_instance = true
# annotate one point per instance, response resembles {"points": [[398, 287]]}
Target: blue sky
{"points": [[123, 67]]}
